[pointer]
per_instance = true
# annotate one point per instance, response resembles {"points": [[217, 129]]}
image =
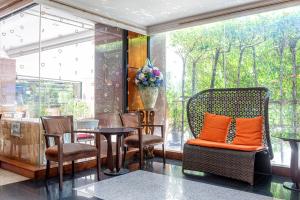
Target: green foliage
{"points": [[55, 96], [77, 108], [243, 51]]}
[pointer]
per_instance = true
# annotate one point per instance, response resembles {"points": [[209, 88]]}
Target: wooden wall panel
{"points": [[137, 55]]}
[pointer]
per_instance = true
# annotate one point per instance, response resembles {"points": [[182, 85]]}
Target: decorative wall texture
{"points": [[109, 87]]}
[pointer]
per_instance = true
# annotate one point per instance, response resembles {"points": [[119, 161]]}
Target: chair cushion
{"points": [[215, 127], [133, 140], [249, 131], [70, 149], [219, 145]]}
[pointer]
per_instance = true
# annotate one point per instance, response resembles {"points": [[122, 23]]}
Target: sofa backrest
{"points": [[233, 102]]}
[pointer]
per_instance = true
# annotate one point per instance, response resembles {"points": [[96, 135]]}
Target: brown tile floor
{"points": [[32, 190]]}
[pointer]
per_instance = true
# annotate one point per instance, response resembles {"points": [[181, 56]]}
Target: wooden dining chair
{"points": [[55, 127], [140, 139], [109, 120]]}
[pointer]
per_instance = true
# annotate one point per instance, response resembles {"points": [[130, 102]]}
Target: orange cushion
{"points": [[248, 131], [219, 145], [215, 127]]}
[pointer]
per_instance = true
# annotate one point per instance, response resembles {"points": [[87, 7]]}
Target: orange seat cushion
{"points": [[248, 131], [219, 145], [215, 127]]}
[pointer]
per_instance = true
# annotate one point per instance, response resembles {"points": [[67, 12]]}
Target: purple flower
{"points": [[149, 76], [156, 72]]}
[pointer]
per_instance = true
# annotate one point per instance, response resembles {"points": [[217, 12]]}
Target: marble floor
{"points": [[30, 189], [159, 186], [7, 177]]}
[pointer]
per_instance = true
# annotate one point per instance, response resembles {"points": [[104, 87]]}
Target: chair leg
{"points": [[164, 154], [73, 168], [98, 167], [61, 171], [47, 169], [141, 149], [124, 156]]}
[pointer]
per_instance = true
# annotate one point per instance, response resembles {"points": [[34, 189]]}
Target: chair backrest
{"points": [[233, 102], [109, 120], [57, 124], [131, 119], [86, 124]]}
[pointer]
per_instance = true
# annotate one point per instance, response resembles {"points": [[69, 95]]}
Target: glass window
{"points": [[19, 106], [47, 68], [67, 65], [250, 51]]}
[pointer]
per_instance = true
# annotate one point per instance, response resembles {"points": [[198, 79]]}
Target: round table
{"points": [[114, 168], [294, 167]]}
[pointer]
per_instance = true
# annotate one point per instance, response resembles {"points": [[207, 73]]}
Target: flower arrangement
{"points": [[149, 76]]}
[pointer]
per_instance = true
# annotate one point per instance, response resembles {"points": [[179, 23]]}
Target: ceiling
{"points": [[161, 15], [20, 32], [152, 12]]}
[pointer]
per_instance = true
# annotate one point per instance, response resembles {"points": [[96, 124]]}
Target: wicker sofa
{"points": [[237, 103]]}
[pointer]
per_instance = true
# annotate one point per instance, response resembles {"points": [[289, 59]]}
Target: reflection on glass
{"points": [[18, 32], [47, 68]]}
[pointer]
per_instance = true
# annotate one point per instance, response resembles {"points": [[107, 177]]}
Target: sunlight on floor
{"points": [[7, 177]]}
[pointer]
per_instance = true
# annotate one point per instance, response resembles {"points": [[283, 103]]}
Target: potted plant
{"points": [[148, 80]]}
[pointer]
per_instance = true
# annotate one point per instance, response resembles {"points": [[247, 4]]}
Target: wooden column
{"points": [[137, 55]]}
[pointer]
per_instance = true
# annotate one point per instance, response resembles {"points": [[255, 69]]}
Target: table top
{"points": [[288, 136], [112, 131]]}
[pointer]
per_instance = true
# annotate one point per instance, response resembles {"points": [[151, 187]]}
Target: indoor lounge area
{"points": [[175, 100]]}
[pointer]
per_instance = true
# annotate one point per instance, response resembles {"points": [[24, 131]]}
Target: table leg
{"points": [[98, 145], [294, 168], [110, 162]]}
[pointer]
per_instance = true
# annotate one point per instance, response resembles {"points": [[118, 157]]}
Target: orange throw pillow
{"points": [[248, 131], [215, 127]]}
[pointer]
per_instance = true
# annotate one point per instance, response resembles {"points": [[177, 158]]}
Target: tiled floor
{"points": [[32, 190], [7, 177]]}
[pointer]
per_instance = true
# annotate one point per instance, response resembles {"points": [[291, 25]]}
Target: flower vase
{"points": [[149, 96]]}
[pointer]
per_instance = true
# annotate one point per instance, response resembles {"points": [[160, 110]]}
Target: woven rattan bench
{"points": [[237, 103]]}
